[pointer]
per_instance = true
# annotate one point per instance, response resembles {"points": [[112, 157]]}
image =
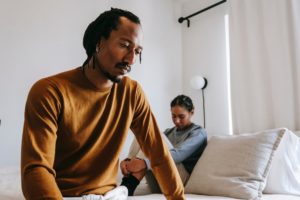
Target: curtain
{"points": [[264, 39]]}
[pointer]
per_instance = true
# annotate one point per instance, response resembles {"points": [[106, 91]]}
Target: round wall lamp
{"points": [[197, 83]]}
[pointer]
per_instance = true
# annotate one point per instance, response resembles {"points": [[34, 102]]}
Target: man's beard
{"points": [[114, 79]]}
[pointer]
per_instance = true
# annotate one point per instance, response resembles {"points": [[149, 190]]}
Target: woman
{"points": [[186, 142]]}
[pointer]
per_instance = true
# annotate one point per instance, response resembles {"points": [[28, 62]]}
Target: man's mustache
{"points": [[123, 65]]}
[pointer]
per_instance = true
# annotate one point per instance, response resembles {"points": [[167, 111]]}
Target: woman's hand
{"points": [[136, 165], [123, 166]]}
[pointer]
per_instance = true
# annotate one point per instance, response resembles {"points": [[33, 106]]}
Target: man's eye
{"points": [[126, 45]]}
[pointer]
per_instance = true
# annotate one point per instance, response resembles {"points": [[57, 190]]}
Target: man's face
{"points": [[118, 52]]}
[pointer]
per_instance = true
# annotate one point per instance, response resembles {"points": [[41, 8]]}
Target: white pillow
{"points": [[10, 183], [284, 176], [235, 166], [297, 133]]}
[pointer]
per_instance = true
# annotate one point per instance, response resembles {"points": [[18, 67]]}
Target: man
{"points": [[76, 122]]}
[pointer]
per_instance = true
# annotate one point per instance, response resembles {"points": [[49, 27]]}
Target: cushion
{"points": [[297, 133], [235, 165], [10, 183], [284, 176]]}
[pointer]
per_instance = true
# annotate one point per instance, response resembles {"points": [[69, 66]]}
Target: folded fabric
{"points": [[92, 197], [119, 193], [284, 176]]}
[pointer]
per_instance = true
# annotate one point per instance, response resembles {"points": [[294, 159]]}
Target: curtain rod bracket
{"points": [[181, 19]]}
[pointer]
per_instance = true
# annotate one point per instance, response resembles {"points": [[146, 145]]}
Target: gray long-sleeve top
{"points": [[188, 145]]}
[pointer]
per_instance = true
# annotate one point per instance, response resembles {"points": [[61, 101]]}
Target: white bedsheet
{"points": [[202, 197], [10, 189]]}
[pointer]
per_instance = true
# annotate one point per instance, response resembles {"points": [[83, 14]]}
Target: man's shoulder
{"points": [[69, 74], [128, 81], [130, 84], [53, 82], [61, 76]]}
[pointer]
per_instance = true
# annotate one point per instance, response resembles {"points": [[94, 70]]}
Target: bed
{"points": [[263, 165], [205, 197]]}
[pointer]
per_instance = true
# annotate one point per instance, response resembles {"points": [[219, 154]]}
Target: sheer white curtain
{"points": [[265, 64]]}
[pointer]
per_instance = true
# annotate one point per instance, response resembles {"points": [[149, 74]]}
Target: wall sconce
{"points": [[197, 83]]}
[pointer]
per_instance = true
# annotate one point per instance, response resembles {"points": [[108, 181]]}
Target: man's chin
{"points": [[116, 79]]}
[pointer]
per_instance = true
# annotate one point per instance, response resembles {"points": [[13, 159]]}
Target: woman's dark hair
{"points": [[102, 26], [183, 101]]}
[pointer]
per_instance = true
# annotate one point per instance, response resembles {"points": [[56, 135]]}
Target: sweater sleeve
{"points": [[188, 146], [167, 141], [38, 142], [149, 138]]}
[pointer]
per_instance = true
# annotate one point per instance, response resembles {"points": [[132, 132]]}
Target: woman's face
{"points": [[181, 117]]}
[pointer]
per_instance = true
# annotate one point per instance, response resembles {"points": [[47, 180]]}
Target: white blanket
{"points": [[119, 193], [10, 189], [205, 197]]}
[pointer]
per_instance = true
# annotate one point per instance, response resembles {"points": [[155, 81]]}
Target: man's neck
{"points": [[96, 77]]}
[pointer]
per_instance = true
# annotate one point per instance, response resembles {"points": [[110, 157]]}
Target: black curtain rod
{"points": [[181, 19]]}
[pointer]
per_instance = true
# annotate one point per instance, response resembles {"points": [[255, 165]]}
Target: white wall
{"points": [[40, 38], [204, 53]]}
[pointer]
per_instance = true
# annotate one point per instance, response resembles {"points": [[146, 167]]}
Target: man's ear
{"points": [[98, 47], [100, 44]]}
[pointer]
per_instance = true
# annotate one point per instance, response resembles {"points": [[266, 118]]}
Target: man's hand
{"points": [[136, 165]]}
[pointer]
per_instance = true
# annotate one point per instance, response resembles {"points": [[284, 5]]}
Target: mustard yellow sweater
{"points": [[73, 135]]}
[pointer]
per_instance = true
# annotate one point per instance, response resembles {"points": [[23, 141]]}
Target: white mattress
{"points": [[10, 189], [202, 197]]}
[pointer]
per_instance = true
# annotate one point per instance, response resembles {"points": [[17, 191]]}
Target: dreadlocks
{"points": [[101, 27]]}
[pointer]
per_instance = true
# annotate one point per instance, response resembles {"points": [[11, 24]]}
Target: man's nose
{"points": [[130, 57]]}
